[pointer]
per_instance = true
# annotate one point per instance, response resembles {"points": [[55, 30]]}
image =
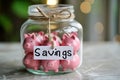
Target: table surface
{"points": [[101, 61]]}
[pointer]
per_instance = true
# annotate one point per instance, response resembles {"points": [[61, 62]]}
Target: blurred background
{"points": [[100, 18]]}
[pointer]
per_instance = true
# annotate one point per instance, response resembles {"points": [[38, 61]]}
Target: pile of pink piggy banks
{"points": [[42, 39]]}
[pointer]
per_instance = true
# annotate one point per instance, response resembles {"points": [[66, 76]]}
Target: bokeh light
{"points": [[85, 7], [99, 27]]}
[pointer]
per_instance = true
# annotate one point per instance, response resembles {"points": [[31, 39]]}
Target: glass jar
{"points": [[51, 40]]}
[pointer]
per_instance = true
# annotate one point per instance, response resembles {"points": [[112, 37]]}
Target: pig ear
{"points": [[73, 36], [45, 37], [64, 36], [25, 35], [74, 33], [33, 36], [29, 35], [54, 38], [41, 33]]}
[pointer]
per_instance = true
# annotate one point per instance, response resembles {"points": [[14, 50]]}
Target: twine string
{"points": [[49, 30], [40, 11]]}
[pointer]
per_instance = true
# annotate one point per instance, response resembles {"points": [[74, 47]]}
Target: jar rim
{"points": [[32, 8]]}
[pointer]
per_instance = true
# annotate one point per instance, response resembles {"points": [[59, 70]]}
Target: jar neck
{"points": [[44, 12]]}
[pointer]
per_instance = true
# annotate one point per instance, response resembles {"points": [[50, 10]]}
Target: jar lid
{"points": [[61, 11]]}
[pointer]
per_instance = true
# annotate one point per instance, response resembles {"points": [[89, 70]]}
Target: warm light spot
{"points": [[90, 1], [52, 27], [99, 27], [85, 7], [52, 2]]}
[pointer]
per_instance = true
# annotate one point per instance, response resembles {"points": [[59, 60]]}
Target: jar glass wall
{"points": [[60, 29]]}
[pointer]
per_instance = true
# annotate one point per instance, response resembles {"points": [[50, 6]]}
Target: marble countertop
{"points": [[101, 61]]}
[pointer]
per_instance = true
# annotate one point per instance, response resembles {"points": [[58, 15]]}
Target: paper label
{"points": [[57, 53]]}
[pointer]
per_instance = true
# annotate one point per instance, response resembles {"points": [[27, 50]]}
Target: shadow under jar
{"points": [[51, 40]]}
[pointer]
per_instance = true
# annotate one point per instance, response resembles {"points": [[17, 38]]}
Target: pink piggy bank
{"points": [[29, 62], [70, 64], [71, 40], [29, 43], [54, 37], [42, 38], [50, 65], [54, 42]]}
